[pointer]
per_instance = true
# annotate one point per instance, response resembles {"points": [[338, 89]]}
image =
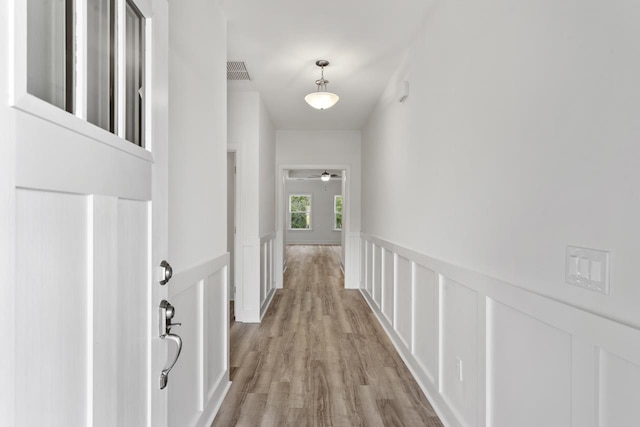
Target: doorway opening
{"points": [[313, 208]]}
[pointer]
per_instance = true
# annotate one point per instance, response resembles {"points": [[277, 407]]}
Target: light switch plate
{"points": [[587, 268]]}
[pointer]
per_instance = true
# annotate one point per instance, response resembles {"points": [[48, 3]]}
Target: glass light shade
{"points": [[325, 176], [321, 100]]}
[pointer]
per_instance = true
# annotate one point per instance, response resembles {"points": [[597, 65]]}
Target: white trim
{"points": [[20, 99], [121, 70], [281, 226], [237, 244]]}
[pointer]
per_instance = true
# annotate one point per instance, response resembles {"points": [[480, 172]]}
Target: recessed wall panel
{"points": [[377, 275], [619, 391], [529, 370], [403, 306], [186, 378], [459, 353], [369, 268], [216, 335], [387, 285], [363, 264], [425, 321]]}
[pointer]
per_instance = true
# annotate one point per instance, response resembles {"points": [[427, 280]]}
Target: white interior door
{"points": [[90, 221]]}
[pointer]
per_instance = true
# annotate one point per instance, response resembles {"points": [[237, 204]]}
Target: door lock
{"points": [[167, 272]]}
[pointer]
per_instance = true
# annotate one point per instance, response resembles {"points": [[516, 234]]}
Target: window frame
{"points": [[21, 99], [335, 212], [310, 222]]}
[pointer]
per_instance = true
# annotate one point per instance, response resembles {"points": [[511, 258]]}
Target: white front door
{"points": [[90, 227]]}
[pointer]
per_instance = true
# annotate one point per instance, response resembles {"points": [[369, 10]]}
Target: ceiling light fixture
{"points": [[321, 99], [326, 176]]}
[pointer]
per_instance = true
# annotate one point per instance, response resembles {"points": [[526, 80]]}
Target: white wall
{"points": [[322, 148], [242, 119], [197, 209], [519, 138], [231, 212], [252, 135], [267, 171], [322, 216], [251, 130], [198, 134], [521, 145]]}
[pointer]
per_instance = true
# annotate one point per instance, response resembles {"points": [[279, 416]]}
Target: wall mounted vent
{"points": [[237, 70]]}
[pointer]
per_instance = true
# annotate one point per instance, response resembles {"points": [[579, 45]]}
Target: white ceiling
{"points": [[280, 41]]}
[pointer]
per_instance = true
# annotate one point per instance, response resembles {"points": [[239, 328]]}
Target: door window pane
{"points": [[134, 111], [101, 63], [50, 51]]}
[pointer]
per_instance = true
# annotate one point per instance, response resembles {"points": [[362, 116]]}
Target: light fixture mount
{"points": [[321, 99]]}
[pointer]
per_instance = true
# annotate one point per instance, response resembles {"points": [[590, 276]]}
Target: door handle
{"points": [[166, 313], [164, 375]]}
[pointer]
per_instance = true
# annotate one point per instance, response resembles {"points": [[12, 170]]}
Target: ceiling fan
{"points": [[325, 176]]}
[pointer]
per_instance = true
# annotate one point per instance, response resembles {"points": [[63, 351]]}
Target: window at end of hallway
{"points": [[337, 212], [300, 212]]}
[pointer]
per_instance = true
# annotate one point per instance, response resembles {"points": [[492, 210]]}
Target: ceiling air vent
{"points": [[237, 70]]}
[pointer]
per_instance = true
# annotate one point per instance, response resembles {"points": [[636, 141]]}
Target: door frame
{"points": [[281, 223], [235, 222], [237, 255]]}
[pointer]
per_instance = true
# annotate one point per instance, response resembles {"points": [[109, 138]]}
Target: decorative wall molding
{"points": [[490, 353], [200, 295], [267, 271], [258, 281], [352, 261]]}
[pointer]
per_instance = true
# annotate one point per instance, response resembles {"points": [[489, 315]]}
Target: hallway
{"points": [[319, 358]]}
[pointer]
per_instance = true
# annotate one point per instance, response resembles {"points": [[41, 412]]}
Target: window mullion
{"points": [[121, 48], [80, 53]]}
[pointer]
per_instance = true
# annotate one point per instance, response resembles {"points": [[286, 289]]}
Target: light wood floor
{"points": [[319, 358]]}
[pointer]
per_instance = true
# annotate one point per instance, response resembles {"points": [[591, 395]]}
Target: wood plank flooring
{"points": [[319, 358]]}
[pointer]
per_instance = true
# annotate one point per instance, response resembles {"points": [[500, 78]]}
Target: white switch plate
{"points": [[587, 268]]}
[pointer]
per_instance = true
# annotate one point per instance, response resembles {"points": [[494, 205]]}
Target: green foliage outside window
{"points": [[300, 212], [337, 210]]}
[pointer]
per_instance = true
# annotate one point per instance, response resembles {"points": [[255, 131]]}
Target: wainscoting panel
{"points": [[267, 266], [403, 309], [619, 391], [200, 378], [459, 337], [247, 305], [529, 361], [352, 261], [216, 326], [491, 354], [185, 391], [387, 284], [425, 323], [377, 275], [368, 266]]}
